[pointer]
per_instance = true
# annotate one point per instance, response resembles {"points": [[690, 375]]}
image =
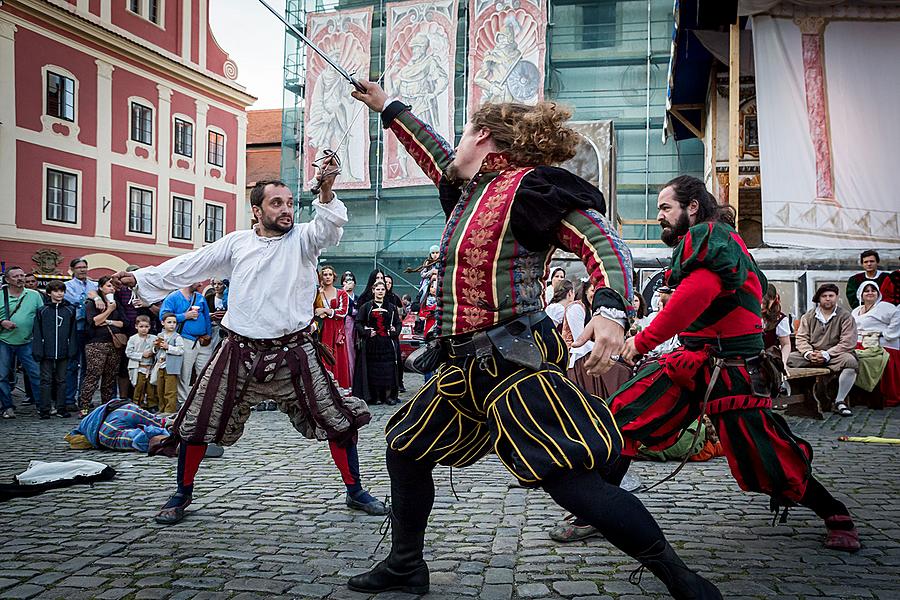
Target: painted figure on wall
{"points": [[507, 51], [421, 40], [346, 36]]}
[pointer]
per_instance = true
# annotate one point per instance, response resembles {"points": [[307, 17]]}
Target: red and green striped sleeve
{"points": [[430, 151], [587, 234]]}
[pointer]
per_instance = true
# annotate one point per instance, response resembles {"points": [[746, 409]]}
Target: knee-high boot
{"points": [[412, 496], [403, 570], [627, 524], [682, 583]]}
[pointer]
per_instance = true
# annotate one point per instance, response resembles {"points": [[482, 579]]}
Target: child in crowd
{"points": [[141, 353], [53, 344], [169, 350]]}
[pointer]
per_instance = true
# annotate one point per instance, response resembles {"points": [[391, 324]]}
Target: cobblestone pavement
{"points": [[269, 521]]}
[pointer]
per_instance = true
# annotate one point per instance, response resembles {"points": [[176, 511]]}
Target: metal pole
{"points": [[647, 128], [734, 127]]}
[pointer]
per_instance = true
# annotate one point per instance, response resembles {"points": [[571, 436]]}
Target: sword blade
{"points": [[299, 35]]}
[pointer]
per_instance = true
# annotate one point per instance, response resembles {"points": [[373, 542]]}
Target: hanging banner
{"points": [[507, 47], [828, 131], [421, 46], [346, 36]]}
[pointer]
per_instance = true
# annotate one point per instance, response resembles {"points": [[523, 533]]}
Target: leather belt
{"points": [[512, 339]]}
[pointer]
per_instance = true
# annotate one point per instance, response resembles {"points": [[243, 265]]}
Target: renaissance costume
{"points": [[270, 351], [334, 337], [716, 313], [500, 384]]}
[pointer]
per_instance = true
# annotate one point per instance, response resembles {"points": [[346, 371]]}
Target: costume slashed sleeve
{"points": [[692, 296], [326, 227], [431, 152], [214, 260], [554, 207], [343, 304]]}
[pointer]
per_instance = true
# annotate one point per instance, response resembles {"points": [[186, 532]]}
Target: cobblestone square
{"points": [[268, 521]]}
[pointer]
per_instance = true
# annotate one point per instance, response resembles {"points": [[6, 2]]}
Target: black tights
{"points": [[821, 502], [618, 515], [816, 497]]}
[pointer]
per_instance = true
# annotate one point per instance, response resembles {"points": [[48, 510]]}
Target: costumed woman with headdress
{"points": [[377, 323]]}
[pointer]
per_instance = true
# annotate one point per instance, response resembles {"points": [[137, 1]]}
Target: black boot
{"points": [[403, 570], [682, 583]]}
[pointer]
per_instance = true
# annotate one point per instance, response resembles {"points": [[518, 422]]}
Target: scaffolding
{"points": [[605, 58]]}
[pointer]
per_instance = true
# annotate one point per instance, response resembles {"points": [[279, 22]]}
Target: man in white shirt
{"points": [[269, 352]]}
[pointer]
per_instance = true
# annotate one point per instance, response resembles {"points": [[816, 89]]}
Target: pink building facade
{"points": [[122, 131]]}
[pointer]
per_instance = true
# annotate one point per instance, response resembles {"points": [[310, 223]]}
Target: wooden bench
{"points": [[812, 393]]}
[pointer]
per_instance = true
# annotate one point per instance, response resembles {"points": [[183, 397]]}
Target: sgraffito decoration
{"points": [[507, 47], [346, 36], [421, 46]]}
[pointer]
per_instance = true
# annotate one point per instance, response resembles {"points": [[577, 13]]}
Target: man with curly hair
{"points": [[500, 369]]}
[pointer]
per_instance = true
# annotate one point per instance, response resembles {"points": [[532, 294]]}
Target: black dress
{"points": [[375, 375]]}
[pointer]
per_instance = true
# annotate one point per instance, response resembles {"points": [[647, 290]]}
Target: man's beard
{"points": [[672, 234], [453, 174], [274, 225]]}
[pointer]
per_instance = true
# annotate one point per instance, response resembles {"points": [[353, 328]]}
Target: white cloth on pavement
{"points": [[39, 472], [273, 281]]}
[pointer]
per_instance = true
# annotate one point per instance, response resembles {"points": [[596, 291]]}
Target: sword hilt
{"points": [[328, 157]]}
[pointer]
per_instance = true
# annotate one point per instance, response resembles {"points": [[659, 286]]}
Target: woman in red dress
{"points": [[334, 312]]}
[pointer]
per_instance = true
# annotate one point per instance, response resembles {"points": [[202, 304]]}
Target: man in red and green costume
{"points": [[500, 386], [715, 311]]}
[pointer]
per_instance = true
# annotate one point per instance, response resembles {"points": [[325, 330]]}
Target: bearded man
{"points": [[716, 313], [500, 370], [270, 352]]}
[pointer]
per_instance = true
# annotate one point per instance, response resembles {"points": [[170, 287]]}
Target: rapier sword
{"points": [[299, 35]]}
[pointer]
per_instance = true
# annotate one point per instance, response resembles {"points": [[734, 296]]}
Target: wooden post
{"points": [[734, 113]]}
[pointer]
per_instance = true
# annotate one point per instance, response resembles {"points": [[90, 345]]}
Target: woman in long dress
{"points": [[375, 378], [348, 282], [333, 336], [878, 360]]}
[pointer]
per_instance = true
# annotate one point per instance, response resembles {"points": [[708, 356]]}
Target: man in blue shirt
{"points": [[77, 290], [195, 326]]}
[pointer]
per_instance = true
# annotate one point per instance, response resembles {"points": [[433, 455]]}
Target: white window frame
{"points": [[63, 106], [131, 125], [47, 121], [153, 208], [190, 221], [131, 144], [144, 11], [78, 192], [221, 132], [187, 121], [224, 208]]}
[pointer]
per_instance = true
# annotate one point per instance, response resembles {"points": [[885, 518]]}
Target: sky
{"points": [[254, 39]]}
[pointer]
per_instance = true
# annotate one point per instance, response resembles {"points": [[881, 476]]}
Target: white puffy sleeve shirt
{"points": [[273, 281]]}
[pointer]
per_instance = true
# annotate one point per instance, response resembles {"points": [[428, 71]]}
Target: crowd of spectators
{"points": [[78, 336], [82, 335]]}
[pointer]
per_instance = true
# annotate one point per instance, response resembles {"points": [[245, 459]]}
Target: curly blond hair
{"points": [[529, 135]]}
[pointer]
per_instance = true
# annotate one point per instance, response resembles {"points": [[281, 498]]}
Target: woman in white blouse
{"points": [[563, 295], [877, 342], [574, 319]]}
